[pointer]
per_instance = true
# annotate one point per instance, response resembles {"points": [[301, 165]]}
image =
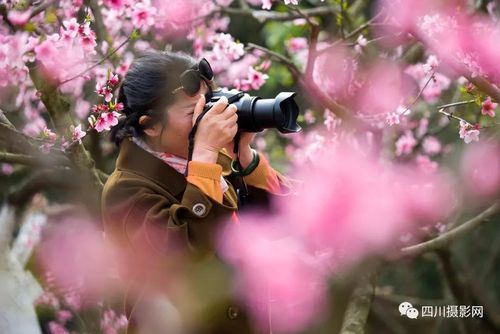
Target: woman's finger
{"points": [[198, 108]]}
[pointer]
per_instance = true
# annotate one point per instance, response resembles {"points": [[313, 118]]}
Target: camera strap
{"points": [[240, 185]]}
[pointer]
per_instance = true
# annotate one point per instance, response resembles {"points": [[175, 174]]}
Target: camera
{"points": [[256, 114]]}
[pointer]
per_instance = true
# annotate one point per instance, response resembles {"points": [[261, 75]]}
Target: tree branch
{"points": [[359, 307], [446, 238], [58, 108], [266, 15], [29, 160]]}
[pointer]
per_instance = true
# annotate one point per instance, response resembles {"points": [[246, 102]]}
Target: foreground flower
{"points": [[467, 133], [488, 107], [19, 18], [405, 143]]}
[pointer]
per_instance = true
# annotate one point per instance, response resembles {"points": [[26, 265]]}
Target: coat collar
{"points": [[134, 159]]}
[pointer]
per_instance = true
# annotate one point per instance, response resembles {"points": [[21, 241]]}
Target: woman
{"points": [[159, 212]]}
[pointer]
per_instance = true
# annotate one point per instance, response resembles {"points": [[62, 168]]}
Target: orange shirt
{"points": [[206, 176]]}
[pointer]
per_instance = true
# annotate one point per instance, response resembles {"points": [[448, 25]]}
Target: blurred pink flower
{"points": [[267, 4], [112, 323], [383, 90], [116, 4], [425, 164], [19, 18], [48, 299], [480, 170], [143, 14], [334, 71], [488, 107], [277, 277], [296, 44], [55, 328], [431, 145], [352, 206], [405, 143], [75, 253], [175, 17], [63, 316], [7, 169]]}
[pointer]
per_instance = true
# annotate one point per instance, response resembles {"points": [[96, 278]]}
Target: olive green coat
{"points": [[144, 192]]}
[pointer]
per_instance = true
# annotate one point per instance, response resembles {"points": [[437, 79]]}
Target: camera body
{"points": [[256, 114]]}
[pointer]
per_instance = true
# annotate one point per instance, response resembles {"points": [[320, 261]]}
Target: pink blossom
{"points": [[329, 119], [116, 4], [106, 120], [113, 81], [296, 44], [383, 89], [431, 65], [72, 299], [488, 107], [19, 18], [480, 170], [55, 328], [77, 133], [355, 191], [111, 323], [267, 4], [361, 42], [82, 108], [392, 118], [254, 81], [63, 316], [405, 143], [174, 18], [309, 116], [425, 164], [431, 145], [104, 90], [72, 26], [7, 169], [334, 72], [143, 14], [49, 134], [62, 59], [277, 275], [48, 299], [467, 133], [81, 262]]}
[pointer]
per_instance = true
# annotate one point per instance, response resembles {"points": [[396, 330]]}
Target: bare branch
{"points": [[446, 238], [359, 307], [266, 15], [23, 159]]}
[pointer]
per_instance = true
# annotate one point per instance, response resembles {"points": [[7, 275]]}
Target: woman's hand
{"points": [[215, 130]]}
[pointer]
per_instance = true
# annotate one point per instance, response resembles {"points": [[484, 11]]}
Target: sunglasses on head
{"points": [[191, 78]]}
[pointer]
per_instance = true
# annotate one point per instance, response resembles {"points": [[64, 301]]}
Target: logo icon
{"points": [[408, 310]]}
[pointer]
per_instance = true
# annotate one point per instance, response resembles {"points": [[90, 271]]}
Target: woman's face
{"points": [[179, 121]]}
